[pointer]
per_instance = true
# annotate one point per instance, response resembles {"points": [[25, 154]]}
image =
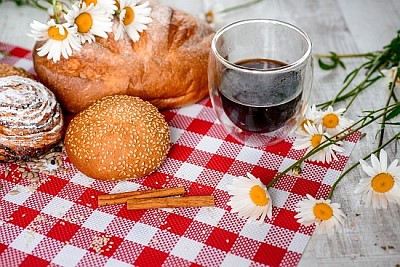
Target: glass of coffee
{"points": [[260, 76]]}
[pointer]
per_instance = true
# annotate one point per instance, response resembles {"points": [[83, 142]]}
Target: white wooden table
{"points": [[370, 237]]}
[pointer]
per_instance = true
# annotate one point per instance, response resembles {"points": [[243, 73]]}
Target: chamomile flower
{"points": [[60, 39], [332, 121], [132, 19], [214, 16], [250, 198], [383, 185], [326, 215], [109, 6], [310, 116], [313, 137], [90, 20]]}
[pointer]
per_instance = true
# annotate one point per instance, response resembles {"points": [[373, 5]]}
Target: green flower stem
{"points": [[347, 84], [244, 5], [336, 139], [54, 2], [396, 136], [364, 84], [388, 57], [383, 124], [361, 87], [344, 55]]}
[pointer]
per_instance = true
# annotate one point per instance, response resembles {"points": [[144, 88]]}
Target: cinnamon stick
{"points": [[171, 202], [120, 198]]}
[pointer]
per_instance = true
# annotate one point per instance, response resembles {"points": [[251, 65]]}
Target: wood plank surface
{"points": [[370, 237]]}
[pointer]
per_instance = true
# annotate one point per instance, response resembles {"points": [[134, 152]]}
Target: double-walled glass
{"points": [[260, 76]]}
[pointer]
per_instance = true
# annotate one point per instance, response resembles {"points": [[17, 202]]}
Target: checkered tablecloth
{"points": [[58, 222]]}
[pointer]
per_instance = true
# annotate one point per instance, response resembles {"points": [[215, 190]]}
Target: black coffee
{"points": [[259, 102]]}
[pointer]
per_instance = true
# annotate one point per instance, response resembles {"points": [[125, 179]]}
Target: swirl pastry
{"points": [[31, 119]]}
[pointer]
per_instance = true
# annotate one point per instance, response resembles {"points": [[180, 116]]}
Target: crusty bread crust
{"points": [[167, 66]]}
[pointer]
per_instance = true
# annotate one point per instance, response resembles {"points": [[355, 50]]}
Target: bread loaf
{"points": [[167, 66], [118, 137], [31, 120]]}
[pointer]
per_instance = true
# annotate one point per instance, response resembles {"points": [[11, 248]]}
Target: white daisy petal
{"points": [[383, 160], [250, 204], [375, 163], [301, 144], [367, 169], [133, 34], [393, 168]]}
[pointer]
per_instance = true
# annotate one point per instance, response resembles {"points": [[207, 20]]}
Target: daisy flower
{"points": [[326, 215], [332, 121], [313, 137], [250, 198], [60, 39], [310, 116], [383, 185], [214, 16], [109, 6], [132, 19], [90, 20]]}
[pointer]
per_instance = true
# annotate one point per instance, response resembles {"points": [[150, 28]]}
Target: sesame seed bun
{"points": [[117, 138]]}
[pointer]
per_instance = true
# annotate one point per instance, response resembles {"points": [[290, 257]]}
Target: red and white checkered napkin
{"points": [[59, 222]]}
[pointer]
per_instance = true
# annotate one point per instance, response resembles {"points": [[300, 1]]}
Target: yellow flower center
{"points": [[323, 211], [382, 182], [54, 33], [258, 196], [129, 15], [330, 120], [316, 140], [88, 2], [84, 22], [210, 17], [305, 122]]}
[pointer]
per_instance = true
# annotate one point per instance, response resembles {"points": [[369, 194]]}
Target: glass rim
{"points": [[232, 65]]}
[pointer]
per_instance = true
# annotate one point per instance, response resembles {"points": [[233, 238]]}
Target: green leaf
{"points": [[393, 114], [341, 63], [335, 61], [325, 66]]}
